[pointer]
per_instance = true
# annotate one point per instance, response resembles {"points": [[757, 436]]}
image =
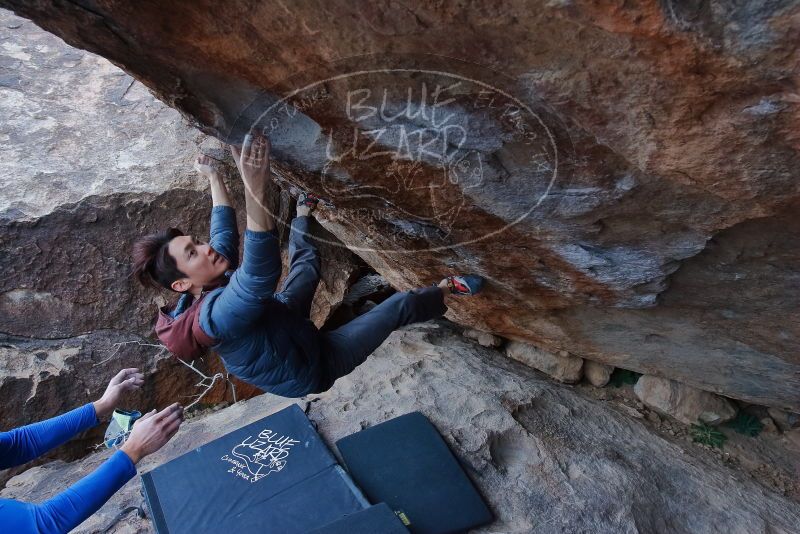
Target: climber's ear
{"points": [[181, 285]]}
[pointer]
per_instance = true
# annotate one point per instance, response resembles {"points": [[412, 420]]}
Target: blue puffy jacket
{"points": [[260, 339]]}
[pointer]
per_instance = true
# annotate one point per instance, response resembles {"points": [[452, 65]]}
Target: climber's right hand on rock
{"points": [[252, 159], [153, 431], [253, 162]]}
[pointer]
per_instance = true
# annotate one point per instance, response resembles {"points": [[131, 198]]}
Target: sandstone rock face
{"points": [[793, 436], [89, 161], [685, 403], [484, 339], [546, 458], [785, 420], [564, 368], [596, 373], [623, 175]]}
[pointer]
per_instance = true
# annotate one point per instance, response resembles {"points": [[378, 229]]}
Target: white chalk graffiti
{"points": [[258, 456], [404, 151]]}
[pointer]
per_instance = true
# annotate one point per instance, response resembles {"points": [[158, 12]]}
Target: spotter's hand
{"points": [[123, 382]]}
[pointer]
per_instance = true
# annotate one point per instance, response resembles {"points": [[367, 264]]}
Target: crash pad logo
{"points": [[410, 158], [258, 456]]}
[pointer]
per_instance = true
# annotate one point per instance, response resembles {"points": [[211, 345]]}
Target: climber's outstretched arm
{"points": [[224, 234], [219, 191], [253, 163], [207, 166], [229, 313]]}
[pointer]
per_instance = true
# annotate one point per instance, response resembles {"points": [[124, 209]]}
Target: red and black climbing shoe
{"points": [[469, 284], [308, 199]]}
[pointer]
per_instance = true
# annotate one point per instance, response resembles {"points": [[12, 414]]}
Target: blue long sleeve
{"points": [[71, 507], [228, 312], [25, 443], [224, 234]]}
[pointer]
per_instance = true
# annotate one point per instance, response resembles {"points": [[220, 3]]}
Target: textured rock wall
{"points": [[636, 195]]}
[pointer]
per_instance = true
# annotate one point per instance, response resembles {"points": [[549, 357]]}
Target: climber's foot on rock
{"points": [[306, 202], [468, 284]]}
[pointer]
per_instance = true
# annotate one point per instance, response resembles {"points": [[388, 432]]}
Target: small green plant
{"points": [[623, 376], [746, 424], [708, 435]]}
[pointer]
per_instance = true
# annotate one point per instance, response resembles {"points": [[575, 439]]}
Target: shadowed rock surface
{"points": [[625, 175], [546, 457]]}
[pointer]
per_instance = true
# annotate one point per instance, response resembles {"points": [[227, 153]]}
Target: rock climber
{"points": [[71, 507], [266, 337]]}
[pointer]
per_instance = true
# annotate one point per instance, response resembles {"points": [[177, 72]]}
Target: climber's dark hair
{"points": [[153, 265]]}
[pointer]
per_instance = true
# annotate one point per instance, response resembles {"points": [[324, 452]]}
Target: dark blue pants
{"points": [[345, 348], [300, 285]]}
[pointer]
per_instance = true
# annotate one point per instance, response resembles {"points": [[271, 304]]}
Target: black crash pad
{"points": [[274, 475], [405, 463], [375, 519]]}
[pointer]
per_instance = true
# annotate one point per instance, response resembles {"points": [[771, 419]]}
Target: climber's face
{"points": [[201, 264]]}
